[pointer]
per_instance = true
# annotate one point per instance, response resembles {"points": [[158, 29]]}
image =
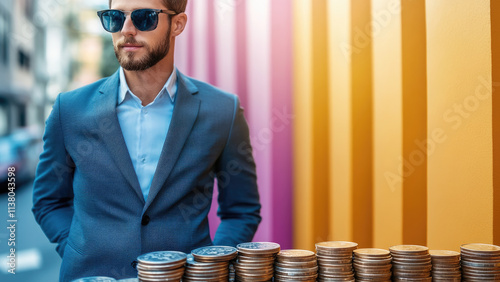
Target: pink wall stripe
{"points": [[183, 45], [241, 51], [199, 19], [190, 41], [281, 105], [180, 55], [225, 22], [259, 104], [211, 65], [244, 47]]}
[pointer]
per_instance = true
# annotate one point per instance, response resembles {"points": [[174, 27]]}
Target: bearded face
{"points": [[136, 55]]}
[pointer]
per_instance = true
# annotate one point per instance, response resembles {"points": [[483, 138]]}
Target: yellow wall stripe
{"points": [[340, 208], [361, 106], [396, 133], [303, 133], [495, 53], [387, 129], [413, 33], [320, 124], [460, 175]]}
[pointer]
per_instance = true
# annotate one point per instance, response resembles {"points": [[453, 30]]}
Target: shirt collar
{"points": [[170, 86]]}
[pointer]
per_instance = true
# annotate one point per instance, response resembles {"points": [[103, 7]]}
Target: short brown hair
{"points": [[178, 6]]}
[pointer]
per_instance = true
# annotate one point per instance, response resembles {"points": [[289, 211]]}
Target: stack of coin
{"points": [[205, 271], [209, 264], [161, 266], [480, 262], [335, 260], [372, 264], [445, 266], [411, 262], [296, 265], [255, 261]]}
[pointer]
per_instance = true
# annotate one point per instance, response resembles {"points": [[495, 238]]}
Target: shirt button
{"points": [[143, 160], [145, 219]]}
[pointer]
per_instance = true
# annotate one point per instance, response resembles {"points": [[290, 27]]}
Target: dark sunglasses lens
{"points": [[112, 21], [145, 19]]}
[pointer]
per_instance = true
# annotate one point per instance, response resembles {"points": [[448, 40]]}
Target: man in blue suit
{"points": [[129, 161]]}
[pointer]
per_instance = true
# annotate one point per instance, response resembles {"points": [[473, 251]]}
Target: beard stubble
{"points": [[154, 54]]}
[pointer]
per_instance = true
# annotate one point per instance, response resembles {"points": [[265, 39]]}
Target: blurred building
{"points": [[32, 33], [61, 35], [35, 65], [17, 40], [94, 46]]}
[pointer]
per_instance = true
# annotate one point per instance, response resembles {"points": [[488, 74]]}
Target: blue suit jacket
{"points": [[87, 197]]}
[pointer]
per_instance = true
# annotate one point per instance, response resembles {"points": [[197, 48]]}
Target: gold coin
{"points": [[409, 249], [254, 260], [477, 247], [371, 252], [372, 266], [446, 274], [295, 253], [443, 253], [374, 262], [367, 274], [337, 245], [294, 264], [256, 248]]}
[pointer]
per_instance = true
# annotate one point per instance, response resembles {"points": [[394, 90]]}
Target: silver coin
{"points": [[263, 246], [192, 263], [162, 257], [214, 251]]}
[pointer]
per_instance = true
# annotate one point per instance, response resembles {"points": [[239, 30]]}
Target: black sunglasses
{"points": [[143, 19]]}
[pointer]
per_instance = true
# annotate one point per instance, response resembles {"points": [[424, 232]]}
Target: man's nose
{"points": [[128, 27]]}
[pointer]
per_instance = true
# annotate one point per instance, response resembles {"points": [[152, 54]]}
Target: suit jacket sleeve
{"points": [[239, 206], [52, 189]]}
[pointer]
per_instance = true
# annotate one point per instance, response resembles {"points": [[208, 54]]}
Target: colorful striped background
{"points": [[372, 121], [239, 47]]}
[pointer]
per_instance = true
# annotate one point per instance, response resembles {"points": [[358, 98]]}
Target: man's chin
{"points": [[133, 65], [136, 62], [130, 67]]}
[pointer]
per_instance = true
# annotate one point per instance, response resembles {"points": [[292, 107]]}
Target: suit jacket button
{"points": [[145, 219]]}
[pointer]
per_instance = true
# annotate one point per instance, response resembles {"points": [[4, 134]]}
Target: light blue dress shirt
{"points": [[145, 127]]}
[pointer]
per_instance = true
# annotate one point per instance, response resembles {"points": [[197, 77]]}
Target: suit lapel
{"points": [[183, 118], [112, 136]]}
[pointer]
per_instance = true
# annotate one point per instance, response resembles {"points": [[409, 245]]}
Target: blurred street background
{"points": [[46, 47]]}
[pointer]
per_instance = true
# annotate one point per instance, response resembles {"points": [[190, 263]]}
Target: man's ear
{"points": [[179, 22]]}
